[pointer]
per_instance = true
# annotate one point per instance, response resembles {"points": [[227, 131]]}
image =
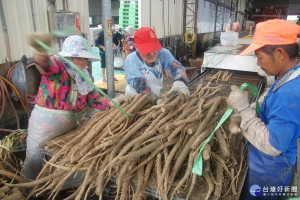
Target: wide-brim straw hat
{"points": [[77, 46]]}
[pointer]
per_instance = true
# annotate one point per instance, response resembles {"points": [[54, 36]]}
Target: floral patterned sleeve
{"points": [[51, 69], [174, 69], [96, 100], [177, 72], [140, 86]]}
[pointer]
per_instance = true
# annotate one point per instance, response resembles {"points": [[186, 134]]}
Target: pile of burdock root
{"points": [[156, 149]]}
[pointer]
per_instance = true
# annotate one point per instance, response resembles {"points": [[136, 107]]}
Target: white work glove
{"points": [[270, 79], [234, 123], [237, 99], [261, 72], [181, 87], [46, 38]]}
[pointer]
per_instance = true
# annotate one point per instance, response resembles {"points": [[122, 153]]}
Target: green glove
{"points": [[46, 38]]}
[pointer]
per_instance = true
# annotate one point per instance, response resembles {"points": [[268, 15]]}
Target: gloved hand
{"points": [[46, 38], [261, 72], [270, 79], [237, 99], [235, 122], [181, 87]]}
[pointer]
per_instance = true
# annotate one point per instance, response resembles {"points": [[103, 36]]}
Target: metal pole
{"points": [[33, 16], [216, 12], [230, 9], [150, 14], [2, 17], [109, 59], [236, 10], [183, 29], [65, 5], [163, 22], [195, 29], [8, 50]]}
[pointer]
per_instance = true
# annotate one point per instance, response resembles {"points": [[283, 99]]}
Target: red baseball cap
{"points": [[273, 32], [146, 40]]}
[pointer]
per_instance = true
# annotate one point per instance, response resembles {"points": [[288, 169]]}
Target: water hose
{"points": [[189, 39], [17, 93], [3, 95]]}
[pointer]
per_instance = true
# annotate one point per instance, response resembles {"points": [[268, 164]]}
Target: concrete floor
{"points": [[96, 68]]}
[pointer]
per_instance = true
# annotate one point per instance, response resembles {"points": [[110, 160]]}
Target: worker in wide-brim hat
{"points": [[144, 67], [61, 95], [273, 134]]}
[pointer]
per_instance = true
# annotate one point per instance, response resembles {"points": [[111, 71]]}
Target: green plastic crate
{"points": [[125, 6], [129, 18], [123, 25], [128, 14], [128, 2], [128, 21], [128, 10]]}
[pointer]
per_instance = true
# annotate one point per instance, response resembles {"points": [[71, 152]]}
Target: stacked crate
{"points": [[128, 14]]}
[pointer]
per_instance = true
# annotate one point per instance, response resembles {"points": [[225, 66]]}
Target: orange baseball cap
{"points": [[146, 40], [273, 32]]}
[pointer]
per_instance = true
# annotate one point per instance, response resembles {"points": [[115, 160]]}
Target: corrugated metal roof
{"points": [[19, 20], [19, 23], [151, 14]]}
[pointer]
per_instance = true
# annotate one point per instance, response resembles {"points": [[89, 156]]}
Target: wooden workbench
{"points": [[120, 84]]}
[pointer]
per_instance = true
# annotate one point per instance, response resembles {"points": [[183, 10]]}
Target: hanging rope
{"points": [[189, 36]]}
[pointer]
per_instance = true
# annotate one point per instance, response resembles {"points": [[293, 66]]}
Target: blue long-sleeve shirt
{"points": [[280, 111], [134, 66]]}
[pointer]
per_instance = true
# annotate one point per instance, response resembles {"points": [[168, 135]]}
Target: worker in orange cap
{"points": [[273, 134], [144, 67]]}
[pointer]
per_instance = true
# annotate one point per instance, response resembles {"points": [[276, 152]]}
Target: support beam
{"points": [[190, 12], [109, 59]]}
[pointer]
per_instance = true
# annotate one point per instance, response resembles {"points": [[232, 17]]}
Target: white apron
{"points": [[155, 84], [44, 124]]}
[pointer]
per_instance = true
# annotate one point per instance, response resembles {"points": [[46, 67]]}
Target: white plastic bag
{"points": [[229, 39]]}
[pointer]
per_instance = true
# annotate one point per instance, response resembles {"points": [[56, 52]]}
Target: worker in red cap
{"points": [[144, 67], [273, 134]]}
